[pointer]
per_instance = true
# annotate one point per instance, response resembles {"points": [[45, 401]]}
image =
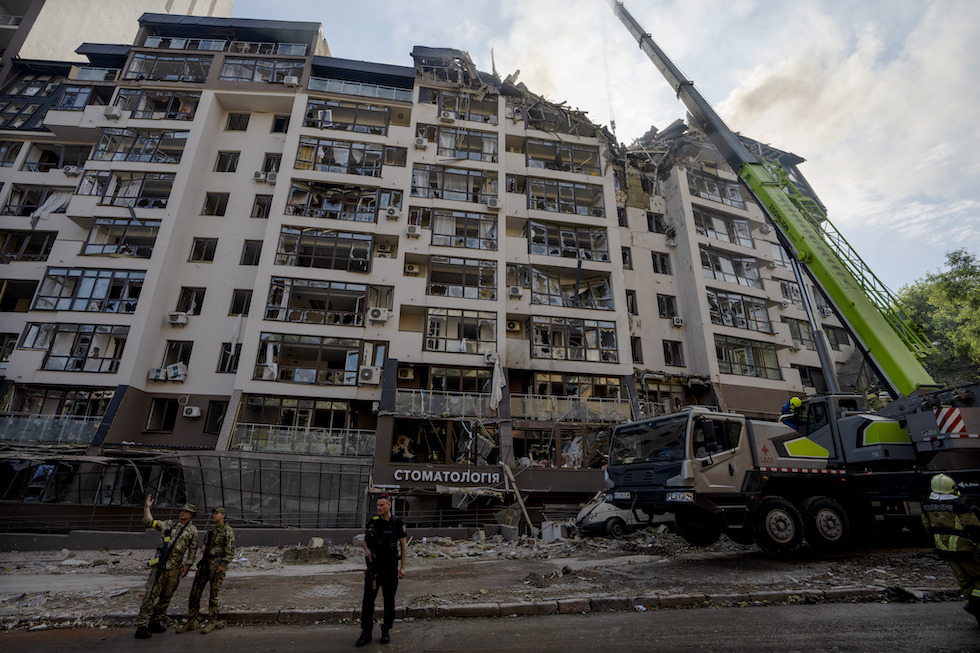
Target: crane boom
{"points": [[893, 342]]}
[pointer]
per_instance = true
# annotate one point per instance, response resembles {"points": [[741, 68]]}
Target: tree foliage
{"points": [[947, 304]]}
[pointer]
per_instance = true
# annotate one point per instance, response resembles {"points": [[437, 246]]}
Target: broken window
{"points": [[340, 201], [202, 249], [215, 204], [837, 337], [77, 347], [565, 197], [743, 270], [310, 301], [90, 290], [739, 311], [661, 263], [627, 258], [461, 331], [143, 190], [231, 353], [227, 161], [790, 291], [673, 353], [567, 157], [140, 145], [567, 241], [460, 277], [459, 143], [636, 349], [747, 357], [457, 228], [547, 117], [715, 189], [262, 206], [241, 301], [453, 183], [311, 360], [346, 116], [122, 237], [242, 69], [461, 105], [251, 252], [324, 248], [177, 351], [560, 338], [657, 224], [631, 305], [22, 245], [216, 410], [8, 152], [722, 227], [344, 87], [149, 104], [800, 331], [26, 200], [163, 415], [190, 300], [42, 157], [16, 294], [184, 68], [365, 159], [271, 162], [561, 287], [666, 306]]}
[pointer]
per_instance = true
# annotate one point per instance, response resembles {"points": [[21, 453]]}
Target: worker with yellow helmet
{"points": [[791, 412], [955, 528]]}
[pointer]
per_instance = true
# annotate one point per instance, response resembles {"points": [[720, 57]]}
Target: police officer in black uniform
{"points": [[385, 549]]}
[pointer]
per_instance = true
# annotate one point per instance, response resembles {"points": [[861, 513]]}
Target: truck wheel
{"points": [[828, 527], [616, 528], [697, 530], [778, 526]]}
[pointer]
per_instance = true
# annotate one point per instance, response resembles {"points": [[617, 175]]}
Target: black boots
{"points": [[384, 636], [363, 639]]}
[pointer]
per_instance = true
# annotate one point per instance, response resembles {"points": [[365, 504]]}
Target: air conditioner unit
{"points": [[271, 176], [411, 268], [290, 81], [794, 348], [515, 291], [112, 113], [771, 265], [177, 318], [192, 411], [176, 372], [258, 175], [493, 204], [384, 248], [513, 326], [490, 357], [406, 373], [420, 143], [72, 171], [369, 375], [378, 314], [671, 243], [447, 117], [765, 228], [677, 321], [414, 231], [157, 374], [391, 212], [383, 255]]}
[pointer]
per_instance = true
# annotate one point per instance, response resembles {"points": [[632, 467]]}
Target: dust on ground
{"points": [[41, 586]]}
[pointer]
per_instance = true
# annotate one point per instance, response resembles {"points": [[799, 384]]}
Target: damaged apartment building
{"points": [[241, 271]]}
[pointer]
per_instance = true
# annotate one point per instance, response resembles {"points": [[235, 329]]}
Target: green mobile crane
{"points": [[841, 467]]}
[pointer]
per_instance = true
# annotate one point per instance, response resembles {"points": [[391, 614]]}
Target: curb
{"points": [[571, 605]]}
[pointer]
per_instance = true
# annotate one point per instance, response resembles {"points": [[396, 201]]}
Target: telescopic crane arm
{"points": [[893, 343]]}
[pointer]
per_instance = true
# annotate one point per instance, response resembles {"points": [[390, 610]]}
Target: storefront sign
{"points": [[474, 477]]}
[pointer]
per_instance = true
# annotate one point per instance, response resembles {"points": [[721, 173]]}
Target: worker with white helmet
{"points": [[954, 525]]}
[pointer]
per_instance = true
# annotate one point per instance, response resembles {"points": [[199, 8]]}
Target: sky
{"points": [[881, 97]]}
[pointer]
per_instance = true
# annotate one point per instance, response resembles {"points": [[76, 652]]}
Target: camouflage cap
{"points": [[220, 509], [190, 507]]}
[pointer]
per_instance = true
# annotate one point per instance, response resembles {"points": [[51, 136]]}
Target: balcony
{"points": [[302, 440], [435, 403], [569, 409], [93, 74], [48, 429]]}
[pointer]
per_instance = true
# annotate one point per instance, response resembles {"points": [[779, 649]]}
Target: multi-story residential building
{"points": [[299, 275]]}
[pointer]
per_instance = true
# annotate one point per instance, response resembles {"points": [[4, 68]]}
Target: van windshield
{"points": [[659, 440]]}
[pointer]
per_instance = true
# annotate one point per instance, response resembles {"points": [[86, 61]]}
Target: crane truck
{"points": [[841, 469]]}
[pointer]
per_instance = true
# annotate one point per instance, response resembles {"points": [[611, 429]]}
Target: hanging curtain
{"points": [[55, 202]]}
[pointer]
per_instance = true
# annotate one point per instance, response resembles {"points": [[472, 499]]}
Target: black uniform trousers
{"points": [[384, 578]]}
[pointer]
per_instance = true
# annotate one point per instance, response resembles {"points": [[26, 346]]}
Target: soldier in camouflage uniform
{"points": [[216, 554], [175, 556]]}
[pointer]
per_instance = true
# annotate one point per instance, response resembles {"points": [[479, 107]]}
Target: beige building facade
{"points": [[222, 239]]}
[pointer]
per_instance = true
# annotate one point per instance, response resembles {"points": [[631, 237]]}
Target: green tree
{"points": [[947, 304]]}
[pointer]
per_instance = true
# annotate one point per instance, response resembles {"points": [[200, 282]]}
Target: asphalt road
{"points": [[892, 627]]}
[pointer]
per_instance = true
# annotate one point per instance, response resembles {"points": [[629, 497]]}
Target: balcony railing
{"points": [[304, 440], [356, 88], [569, 409], [52, 429], [443, 404], [222, 45], [650, 409]]}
